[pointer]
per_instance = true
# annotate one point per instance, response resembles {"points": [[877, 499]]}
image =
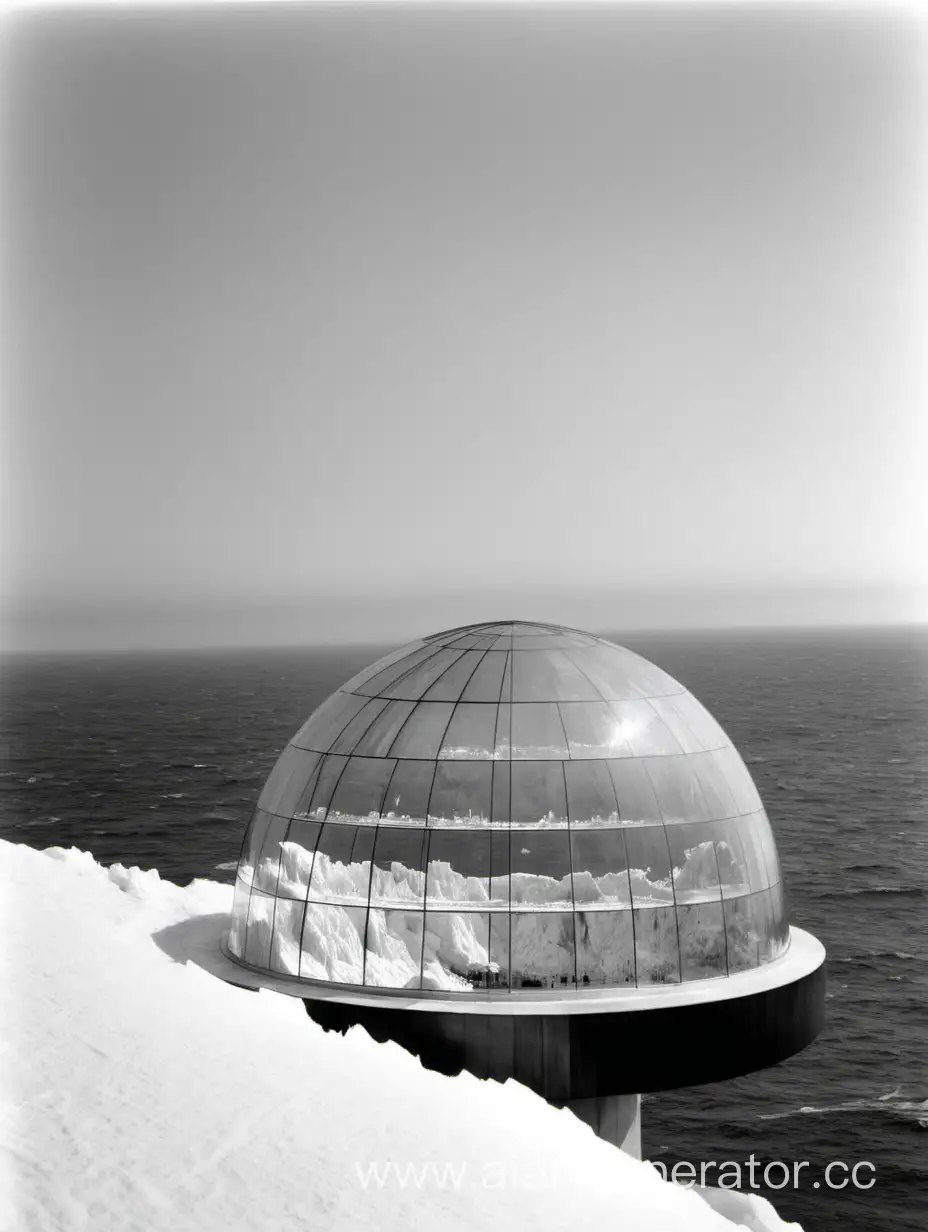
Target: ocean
{"points": [[157, 760]]}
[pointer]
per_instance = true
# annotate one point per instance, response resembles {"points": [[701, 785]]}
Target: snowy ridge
{"points": [[145, 1095]]}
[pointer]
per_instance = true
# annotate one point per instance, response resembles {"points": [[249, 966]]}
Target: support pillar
{"points": [[616, 1118]]}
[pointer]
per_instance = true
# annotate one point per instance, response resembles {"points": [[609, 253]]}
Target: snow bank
{"points": [[142, 1093]]}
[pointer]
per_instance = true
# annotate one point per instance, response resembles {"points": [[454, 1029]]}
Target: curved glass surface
{"points": [[509, 806]]}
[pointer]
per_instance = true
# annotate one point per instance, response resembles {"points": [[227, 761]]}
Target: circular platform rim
{"points": [[804, 955]]}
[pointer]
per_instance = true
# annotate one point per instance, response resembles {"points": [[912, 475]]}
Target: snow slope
{"points": [[141, 1092]]}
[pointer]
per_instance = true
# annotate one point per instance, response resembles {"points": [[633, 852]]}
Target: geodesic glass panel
{"points": [[509, 806]]}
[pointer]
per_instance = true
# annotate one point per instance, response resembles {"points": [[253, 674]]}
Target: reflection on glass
{"points": [[422, 734], [393, 957], [361, 789], [239, 917], [605, 948], [538, 796], [287, 780], [414, 684], [450, 684], [678, 788], [649, 865], [592, 730], [461, 794], [458, 868], [600, 868], [634, 792], [715, 787], [342, 868], [590, 793], [702, 940], [738, 780], [779, 920], [642, 729], [258, 932], [407, 797], [542, 950], [285, 940], [381, 665], [345, 742], [398, 873], [471, 732], [657, 953], [695, 862], [618, 674], [296, 859], [503, 748], [670, 715], [486, 683], [383, 731], [540, 869], [456, 952], [537, 732], [333, 944], [748, 930], [326, 724], [265, 874], [499, 947], [499, 867], [502, 780], [740, 855], [548, 676]]}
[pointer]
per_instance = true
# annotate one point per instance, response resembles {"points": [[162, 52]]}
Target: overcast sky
{"points": [[358, 322]]}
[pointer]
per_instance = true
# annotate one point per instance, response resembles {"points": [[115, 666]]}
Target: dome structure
{"points": [[506, 808]]}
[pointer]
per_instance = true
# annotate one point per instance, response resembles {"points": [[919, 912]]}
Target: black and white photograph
{"points": [[464, 616]]}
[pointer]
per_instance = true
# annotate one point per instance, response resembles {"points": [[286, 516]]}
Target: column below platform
{"points": [[616, 1118]]}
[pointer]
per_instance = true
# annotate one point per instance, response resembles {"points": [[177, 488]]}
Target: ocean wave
{"points": [[893, 1103], [228, 866], [858, 891]]}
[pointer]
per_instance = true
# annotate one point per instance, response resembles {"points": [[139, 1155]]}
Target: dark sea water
{"points": [[157, 761]]}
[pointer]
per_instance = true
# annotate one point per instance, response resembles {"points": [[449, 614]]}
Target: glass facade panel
{"points": [[549, 677], [239, 918], [657, 951], [537, 732], [642, 729], [750, 931], [649, 865], [669, 715], [361, 789], [779, 920], [542, 951], [458, 867], [634, 792], [378, 683], [414, 684], [700, 722], [702, 940], [327, 776], [381, 665], [592, 730], [393, 956], [456, 952], [471, 733], [450, 685], [605, 949], [376, 741], [740, 853], [694, 860], [590, 793], [258, 931], [619, 675], [503, 748], [461, 793], [287, 780], [398, 874], [358, 726], [499, 868], [333, 944], [738, 780], [296, 858], [767, 846], [423, 732], [265, 874], [342, 866], [407, 798], [286, 937], [499, 948], [679, 789], [537, 794], [600, 869], [327, 723], [486, 683], [254, 841], [540, 869]]}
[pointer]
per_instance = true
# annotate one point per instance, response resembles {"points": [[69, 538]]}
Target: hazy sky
{"points": [[361, 321]]}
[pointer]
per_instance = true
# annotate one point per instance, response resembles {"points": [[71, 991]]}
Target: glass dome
{"points": [[509, 806]]}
